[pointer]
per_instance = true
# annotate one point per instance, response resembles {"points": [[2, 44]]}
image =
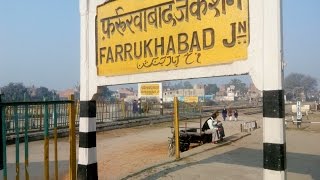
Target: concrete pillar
{"points": [[274, 142], [161, 106], [139, 106], [87, 164], [87, 159]]}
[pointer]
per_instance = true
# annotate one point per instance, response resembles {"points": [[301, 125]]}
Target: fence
{"points": [[106, 112], [21, 119], [248, 126], [16, 113], [115, 111]]}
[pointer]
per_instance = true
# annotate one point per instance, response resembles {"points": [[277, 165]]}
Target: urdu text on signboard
{"points": [[138, 36]]}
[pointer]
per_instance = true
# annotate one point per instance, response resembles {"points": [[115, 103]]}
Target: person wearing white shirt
{"points": [[210, 127]]}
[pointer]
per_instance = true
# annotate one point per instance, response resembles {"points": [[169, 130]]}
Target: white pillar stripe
{"points": [[273, 130], [87, 156], [271, 174], [87, 124]]}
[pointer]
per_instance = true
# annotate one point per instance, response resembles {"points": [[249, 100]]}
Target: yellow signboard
{"points": [[150, 89], [190, 99], [137, 36]]}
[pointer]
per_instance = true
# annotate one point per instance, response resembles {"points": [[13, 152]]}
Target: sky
{"points": [[40, 41]]}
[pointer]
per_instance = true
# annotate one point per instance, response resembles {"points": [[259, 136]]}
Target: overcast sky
{"points": [[39, 41]]}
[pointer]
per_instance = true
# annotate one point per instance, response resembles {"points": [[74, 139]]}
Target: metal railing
{"points": [[121, 110], [20, 119], [16, 113], [190, 108]]}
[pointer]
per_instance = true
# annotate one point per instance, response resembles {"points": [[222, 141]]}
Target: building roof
{"points": [[66, 93]]}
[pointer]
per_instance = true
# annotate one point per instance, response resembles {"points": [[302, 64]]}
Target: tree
{"points": [[42, 93], [178, 85], [289, 96], [239, 85], [184, 85], [299, 83], [15, 92], [211, 89], [166, 85], [187, 85], [103, 93], [77, 91]]}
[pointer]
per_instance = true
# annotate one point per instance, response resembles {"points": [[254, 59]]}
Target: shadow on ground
{"points": [[36, 170], [296, 162]]}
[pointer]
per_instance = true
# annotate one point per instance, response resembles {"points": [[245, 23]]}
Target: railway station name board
{"points": [[150, 89], [138, 36]]}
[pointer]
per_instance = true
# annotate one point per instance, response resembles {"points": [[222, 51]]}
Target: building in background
{"points": [[197, 91], [126, 94], [226, 93], [63, 95]]}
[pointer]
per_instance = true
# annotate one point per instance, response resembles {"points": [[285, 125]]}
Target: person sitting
{"points": [[211, 127]]}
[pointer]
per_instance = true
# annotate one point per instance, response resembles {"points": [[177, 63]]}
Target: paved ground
{"points": [[137, 148], [126, 153], [243, 160]]}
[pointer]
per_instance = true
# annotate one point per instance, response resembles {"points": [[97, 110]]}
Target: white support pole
{"points": [[87, 163], [274, 143]]}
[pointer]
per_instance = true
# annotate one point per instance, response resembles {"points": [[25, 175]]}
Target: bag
{"points": [[221, 131]]}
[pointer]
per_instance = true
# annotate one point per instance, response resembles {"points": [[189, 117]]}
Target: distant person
{"points": [[230, 114], [135, 106], [235, 114], [224, 113]]}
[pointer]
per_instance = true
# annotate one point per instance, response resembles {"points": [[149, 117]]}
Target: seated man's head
{"points": [[215, 114]]}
